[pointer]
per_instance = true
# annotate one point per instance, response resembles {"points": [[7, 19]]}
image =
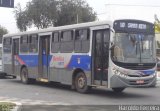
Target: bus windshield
{"points": [[134, 48]]}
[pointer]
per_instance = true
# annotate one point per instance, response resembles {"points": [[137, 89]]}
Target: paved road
{"points": [[41, 93]]}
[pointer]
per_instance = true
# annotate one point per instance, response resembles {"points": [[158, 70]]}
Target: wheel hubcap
{"points": [[81, 82], [24, 76]]}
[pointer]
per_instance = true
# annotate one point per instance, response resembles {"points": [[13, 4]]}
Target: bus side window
{"points": [[82, 40], [7, 42], [55, 42], [24, 47], [67, 43], [33, 43]]}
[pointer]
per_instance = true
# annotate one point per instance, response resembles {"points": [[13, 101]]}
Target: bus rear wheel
{"points": [[24, 76], [14, 77], [118, 90], [81, 83]]}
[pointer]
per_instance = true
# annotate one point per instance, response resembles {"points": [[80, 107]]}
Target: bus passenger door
{"points": [[15, 53], [44, 52], [100, 59]]}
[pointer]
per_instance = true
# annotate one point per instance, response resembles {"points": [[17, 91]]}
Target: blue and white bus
{"points": [[115, 54]]}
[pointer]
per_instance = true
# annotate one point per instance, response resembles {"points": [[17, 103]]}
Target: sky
{"points": [[106, 10]]}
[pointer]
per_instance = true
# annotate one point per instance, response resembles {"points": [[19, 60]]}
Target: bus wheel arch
{"points": [[23, 66], [74, 74], [79, 81], [24, 75]]}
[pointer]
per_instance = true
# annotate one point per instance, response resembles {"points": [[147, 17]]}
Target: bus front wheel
{"points": [[24, 76], [118, 90], [81, 83]]}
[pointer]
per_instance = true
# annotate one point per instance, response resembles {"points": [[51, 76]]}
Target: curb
{"points": [[17, 107]]}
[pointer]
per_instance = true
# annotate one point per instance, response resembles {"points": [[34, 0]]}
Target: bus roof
{"points": [[51, 29]]}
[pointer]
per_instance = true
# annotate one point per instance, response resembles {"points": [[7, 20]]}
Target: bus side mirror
{"points": [[157, 60]]}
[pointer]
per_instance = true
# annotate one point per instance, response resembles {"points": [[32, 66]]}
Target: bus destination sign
{"points": [[133, 26]]}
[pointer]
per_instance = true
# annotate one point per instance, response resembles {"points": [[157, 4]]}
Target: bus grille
{"points": [[138, 75], [138, 67], [133, 82]]}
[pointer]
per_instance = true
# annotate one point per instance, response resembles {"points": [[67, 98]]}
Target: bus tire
{"points": [[81, 83], [14, 77], [24, 76], [118, 90], [153, 85]]}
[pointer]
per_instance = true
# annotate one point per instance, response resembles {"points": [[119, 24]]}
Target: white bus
{"points": [[115, 55], [0, 57], [158, 54], [2, 74]]}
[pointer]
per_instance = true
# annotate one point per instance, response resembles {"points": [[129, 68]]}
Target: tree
{"points": [[22, 19], [2, 32], [42, 13], [157, 24], [45, 13], [74, 11]]}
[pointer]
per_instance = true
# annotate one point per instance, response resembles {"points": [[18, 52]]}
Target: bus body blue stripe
{"points": [[30, 60], [80, 61], [76, 61]]}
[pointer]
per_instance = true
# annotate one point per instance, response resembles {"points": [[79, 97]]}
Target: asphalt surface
{"points": [[55, 94]]}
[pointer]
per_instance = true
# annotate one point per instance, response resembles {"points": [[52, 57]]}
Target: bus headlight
{"points": [[153, 75], [120, 74]]}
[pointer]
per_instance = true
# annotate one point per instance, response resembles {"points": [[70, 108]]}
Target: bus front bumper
{"points": [[117, 81]]}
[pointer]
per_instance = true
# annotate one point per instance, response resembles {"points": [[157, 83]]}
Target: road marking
{"points": [[32, 102]]}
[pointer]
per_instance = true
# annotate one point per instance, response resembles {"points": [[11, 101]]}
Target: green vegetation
{"points": [[46, 13], [2, 32], [6, 106]]}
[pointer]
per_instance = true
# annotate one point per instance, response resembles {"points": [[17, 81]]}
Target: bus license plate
{"points": [[140, 81]]}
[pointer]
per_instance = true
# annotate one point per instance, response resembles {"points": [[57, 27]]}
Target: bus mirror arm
{"points": [[112, 46]]}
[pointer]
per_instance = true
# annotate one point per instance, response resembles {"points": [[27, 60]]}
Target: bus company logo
{"points": [[58, 58], [141, 73]]}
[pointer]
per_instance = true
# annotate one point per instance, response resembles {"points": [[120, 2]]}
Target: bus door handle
{"points": [[99, 69]]}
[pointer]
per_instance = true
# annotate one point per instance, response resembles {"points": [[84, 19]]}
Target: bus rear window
{"points": [[7, 41], [7, 45]]}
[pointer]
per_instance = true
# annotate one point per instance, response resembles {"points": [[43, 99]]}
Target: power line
{"points": [[134, 5]]}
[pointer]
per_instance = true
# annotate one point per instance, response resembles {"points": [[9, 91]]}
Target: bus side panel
{"points": [[31, 62], [62, 67], [7, 64], [61, 75], [58, 69], [17, 65], [82, 62]]}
